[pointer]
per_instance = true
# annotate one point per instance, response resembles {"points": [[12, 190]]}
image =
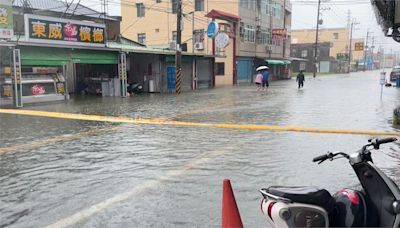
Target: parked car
{"points": [[395, 73]]}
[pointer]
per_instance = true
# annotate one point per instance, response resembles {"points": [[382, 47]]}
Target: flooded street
{"points": [[94, 174]]}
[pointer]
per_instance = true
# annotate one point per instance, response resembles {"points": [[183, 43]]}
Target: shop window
{"points": [[142, 38], [149, 69], [174, 6], [220, 68], [199, 5], [304, 53], [140, 10]]}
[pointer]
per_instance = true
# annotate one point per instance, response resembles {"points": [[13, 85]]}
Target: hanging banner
{"points": [[279, 34], [6, 19], [52, 30]]}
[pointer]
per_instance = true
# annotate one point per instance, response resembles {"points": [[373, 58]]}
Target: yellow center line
{"points": [[251, 127], [94, 209], [57, 139]]}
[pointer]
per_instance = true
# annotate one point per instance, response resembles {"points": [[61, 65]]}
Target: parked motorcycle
{"points": [[135, 88], [376, 205]]}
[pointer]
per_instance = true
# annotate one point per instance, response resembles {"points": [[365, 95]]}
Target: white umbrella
{"points": [[262, 68]]}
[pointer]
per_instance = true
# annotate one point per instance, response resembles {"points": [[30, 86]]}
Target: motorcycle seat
{"points": [[306, 195]]}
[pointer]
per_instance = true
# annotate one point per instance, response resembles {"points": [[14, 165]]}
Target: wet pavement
{"points": [[52, 171]]}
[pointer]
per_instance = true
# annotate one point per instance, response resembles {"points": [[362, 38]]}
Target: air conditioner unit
{"points": [[199, 46], [172, 45]]}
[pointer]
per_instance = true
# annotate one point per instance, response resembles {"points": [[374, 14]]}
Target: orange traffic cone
{"points": [[230, 211]]}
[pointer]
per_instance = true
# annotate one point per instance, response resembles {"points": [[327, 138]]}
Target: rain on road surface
{"points": [[53, 171]]}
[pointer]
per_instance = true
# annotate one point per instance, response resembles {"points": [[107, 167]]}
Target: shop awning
{"points": [[94, 57], [277, 62], [37, 56]]}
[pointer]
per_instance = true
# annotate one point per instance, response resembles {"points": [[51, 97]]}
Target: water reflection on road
{"points": [[40, 185]]}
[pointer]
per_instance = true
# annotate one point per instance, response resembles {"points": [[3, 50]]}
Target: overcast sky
{"points": [[304, 13]]}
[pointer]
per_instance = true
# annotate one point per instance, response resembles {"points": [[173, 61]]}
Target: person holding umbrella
{"points": [[265, 74], [259, 79]]}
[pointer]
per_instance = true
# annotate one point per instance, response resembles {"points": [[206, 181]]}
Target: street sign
{"points": [[6, 20], [212, 29], [359, 46], [383, 78], [342, 56], [279, 34], [222, 40]]}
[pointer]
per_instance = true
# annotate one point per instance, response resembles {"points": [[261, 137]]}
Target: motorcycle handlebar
{"points": [[385, 140], [320, 158]]}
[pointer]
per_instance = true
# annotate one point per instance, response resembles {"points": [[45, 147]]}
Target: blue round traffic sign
{"points": [[212, 29]]}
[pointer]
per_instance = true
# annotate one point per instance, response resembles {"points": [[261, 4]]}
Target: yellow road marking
{"points": [[90, 211], [57, 139], [252, 127]]}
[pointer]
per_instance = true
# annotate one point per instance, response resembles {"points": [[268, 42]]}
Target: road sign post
{"points": [[382, 81]]}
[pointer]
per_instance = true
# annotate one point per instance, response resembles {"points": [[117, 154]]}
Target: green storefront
{"points": [[85, 71]]}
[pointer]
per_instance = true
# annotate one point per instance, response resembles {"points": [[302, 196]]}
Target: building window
{"points": [[198, 36], [140, 10], [304, 53], [158, 1], [174, 35], [220, 68], [249, 34], [263, 38], [199, 5], [248, 4], [302, 66], [335, 36], [141, 38], [174, 6]]}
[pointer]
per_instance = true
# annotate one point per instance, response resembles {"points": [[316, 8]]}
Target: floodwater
{"points": [[90, 174]]}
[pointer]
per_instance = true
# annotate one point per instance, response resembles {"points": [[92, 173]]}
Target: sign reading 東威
{"points": [[6, 19], [51, 30]]}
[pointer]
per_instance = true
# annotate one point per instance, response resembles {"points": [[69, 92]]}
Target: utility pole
{"points": [[178, 56], [365, 50], [350, 45], [193, 34], [284, 27], [316, 40], [372, 50], [353, 23]]}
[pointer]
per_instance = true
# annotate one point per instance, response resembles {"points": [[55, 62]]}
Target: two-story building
{"points": [[339, 41], [250, 25]]}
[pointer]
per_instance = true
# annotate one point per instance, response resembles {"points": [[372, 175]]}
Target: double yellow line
{"points": [[250, 127]]}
